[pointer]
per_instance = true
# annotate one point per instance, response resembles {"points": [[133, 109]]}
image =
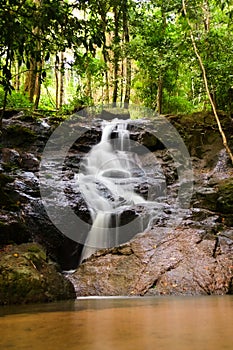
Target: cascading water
{"points": [[106, 181]]}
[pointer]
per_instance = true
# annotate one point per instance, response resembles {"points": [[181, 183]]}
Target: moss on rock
{"points": [[225, 199], [27, 277], [20, 135]]}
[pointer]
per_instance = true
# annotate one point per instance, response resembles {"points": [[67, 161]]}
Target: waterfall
{"points": [[106, 181]]}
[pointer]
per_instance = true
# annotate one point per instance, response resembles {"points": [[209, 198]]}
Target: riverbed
{"points": [[164, 323]]}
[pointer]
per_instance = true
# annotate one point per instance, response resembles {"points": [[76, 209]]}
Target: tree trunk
{"points": [[160, 95], [116, 57], [206, 11], [128, 59], [106, 58], [35, 62], [38, 83], [56, 72], [122, 82], [88, 90], [62, 75], [128, 81], [38, 87], [31, 80], [107, 97], [224, 139], [7, 69], [17, 77], [206, 21]]}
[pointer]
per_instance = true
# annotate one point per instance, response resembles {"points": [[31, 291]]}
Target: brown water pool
{"points": [[163, 323]]}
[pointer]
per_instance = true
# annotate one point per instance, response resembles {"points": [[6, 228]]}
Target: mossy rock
{"points": [[20, 135], [26, 276], [6, 201], [225, 198], [5, 179], [12, 229]]}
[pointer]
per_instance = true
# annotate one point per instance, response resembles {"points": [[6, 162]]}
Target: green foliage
{"points": [[76, 103], [15, 100], [31, 31], [177, 104], [47, 103], [159, 47]]}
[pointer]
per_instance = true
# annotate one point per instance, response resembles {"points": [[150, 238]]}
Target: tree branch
{"points": [[224, 139]]}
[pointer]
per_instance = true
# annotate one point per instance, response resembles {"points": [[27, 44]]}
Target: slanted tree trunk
{"points": [[224, 139]]}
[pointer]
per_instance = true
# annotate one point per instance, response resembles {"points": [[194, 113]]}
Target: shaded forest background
{"points": [[62, 55]]}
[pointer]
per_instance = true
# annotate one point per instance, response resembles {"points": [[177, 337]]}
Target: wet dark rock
{"points": [[206, 197], [160, 262], [106, 115], [88, 137], [25, 133], [11, 113], [27, 183], [149, 141], [29, 162], [142, 135], [7, 200], [27, 276], [61, 249], [10, 156], [201, 135], [72, 161], [81, 210], [13, 228]]}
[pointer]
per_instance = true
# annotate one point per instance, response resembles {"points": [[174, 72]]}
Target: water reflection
{"points": [[121, 323]]}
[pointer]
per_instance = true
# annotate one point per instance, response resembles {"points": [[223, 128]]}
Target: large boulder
{"points": [[160, 262], [28, 277]]}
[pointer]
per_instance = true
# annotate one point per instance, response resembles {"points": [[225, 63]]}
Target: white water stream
{"points": [[103, 183], [106, 181]]}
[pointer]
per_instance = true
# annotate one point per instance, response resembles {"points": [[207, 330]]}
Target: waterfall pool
{"points": [[164, 323]]}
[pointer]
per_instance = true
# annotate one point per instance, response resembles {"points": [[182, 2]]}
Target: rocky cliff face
{"points": [[192, 257]]}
